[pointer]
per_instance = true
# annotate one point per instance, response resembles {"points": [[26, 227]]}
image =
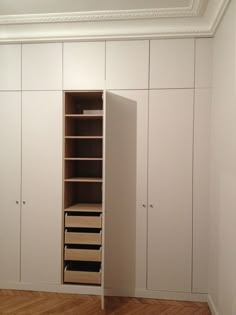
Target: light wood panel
{"points": [[83, 238], [28, 303], [82, 277], [83, 254], [83, 221], [42, 187], [10, 183], [86, 207], [170, 190]]}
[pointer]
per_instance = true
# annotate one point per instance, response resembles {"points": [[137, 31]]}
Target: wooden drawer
{"points": [[83, 221], [83, 254], [85, 273], [83, 238]]}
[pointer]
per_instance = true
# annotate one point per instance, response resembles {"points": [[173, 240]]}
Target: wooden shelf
{"points": [[83, 137], [84, 179], [85, 207], [84, 116], [83, 159]]}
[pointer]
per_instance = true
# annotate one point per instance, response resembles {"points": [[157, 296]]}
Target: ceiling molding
{"points": [[194, 9], [196, 20]]}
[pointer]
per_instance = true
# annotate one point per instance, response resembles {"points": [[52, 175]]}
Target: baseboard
{"points": [[63, 288], [163, 295], [212, 305]]}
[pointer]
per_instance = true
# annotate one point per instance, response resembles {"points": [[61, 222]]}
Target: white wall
{"points": [[222, 282]]}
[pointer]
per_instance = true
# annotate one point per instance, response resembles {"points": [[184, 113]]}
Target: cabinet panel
{"points": [[120, 192], [141, 99], [10, 181], [172, 63], [203, 73], [127, 64], [84, 66], [201, 190], [10, 65], [42, 187], [42, 66], [170, 190]]}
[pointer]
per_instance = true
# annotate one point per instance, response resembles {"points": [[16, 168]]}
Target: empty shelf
{"points": [[85, 207], [84, 179]]}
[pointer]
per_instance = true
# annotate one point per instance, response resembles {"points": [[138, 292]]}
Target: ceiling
{"points": [[8, 7], [47, 20]]}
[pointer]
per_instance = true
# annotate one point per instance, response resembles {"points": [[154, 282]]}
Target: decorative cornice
{"points": [[131, 24], [194, 9]]}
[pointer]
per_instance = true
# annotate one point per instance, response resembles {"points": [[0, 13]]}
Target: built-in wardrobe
{"points": [[104, 167]]}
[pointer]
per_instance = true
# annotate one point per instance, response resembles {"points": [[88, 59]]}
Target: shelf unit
{"points": [[83, 180]]}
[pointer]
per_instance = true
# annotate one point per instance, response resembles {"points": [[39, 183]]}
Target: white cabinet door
{"points": [[42, 66], [170, 190], [141, 100], [203, 63], [172, 63], [120, 193], [10, 183], [41, 187], [127, 64], [10, 65], [84, 66]]}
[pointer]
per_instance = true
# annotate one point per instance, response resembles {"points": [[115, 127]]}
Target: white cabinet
{"points": [[127, 64], [172, 63], [10, 184], [84, 66], [41, 187], [42, 66], [10, 65], [170, 190]]}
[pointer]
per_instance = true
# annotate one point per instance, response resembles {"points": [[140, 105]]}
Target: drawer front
{"points": [[83, 254], [83, 221], [83, 238], [82, 277]]}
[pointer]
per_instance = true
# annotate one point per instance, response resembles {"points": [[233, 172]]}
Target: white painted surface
{"points": [[41, 187], [172, 63], [201, 183], [141, 99], [42, 66], [127, 64], [222, 285], [10, 65], [120, 199], [203, 68], [84, 66], [10, 183], [170, 190]]}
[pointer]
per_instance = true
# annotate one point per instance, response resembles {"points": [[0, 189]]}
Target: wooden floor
{"points": [[27, 302]]}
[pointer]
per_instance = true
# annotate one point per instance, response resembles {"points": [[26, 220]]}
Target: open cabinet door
{"points": [[120, 195]]}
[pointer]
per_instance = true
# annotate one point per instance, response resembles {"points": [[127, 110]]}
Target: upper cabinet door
{"points": [[170, 190], [41, 187], [10, 65], [84, 66], [42, 66], [172, 63], [10, 181], [203, 73], [127, 64]]}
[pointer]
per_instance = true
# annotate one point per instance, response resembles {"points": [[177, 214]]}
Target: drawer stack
{"points": [[83, 187]]}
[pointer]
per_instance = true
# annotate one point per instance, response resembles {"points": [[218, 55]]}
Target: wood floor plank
{"points": [[15, 302]]}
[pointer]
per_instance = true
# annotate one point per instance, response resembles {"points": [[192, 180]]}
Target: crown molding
{"points": [[131, 24], [192, 10]]}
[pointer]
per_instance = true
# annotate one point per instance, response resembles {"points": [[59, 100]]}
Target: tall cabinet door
{"points": [[170, 190], [42, 187], [120, 193], [10, 180]]}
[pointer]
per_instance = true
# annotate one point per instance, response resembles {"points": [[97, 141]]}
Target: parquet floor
{"points": [[28, 302]]}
